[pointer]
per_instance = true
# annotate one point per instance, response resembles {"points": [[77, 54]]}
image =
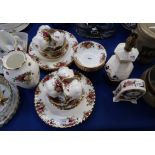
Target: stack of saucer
{"points": [[52, 48]]}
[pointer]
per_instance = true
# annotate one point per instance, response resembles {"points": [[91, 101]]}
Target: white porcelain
{"points": [[21, 41], [126, 56], [51, 43], [58, 39], [43, 27], [116, 70], [5, 95], [13, 27], [65, 73], [49, 64], [13, 41], [120, 66], [20, 69], [51, 87], [129, 90], [7, 41], [8, 108], [56, 117], [40, 42], [10, 42], [90, 56], [73, 90], [64, 86]]}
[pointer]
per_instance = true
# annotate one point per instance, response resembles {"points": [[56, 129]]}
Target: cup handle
{"points": [[1, 66]]}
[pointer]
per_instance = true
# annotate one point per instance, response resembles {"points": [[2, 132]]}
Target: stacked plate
{"points": [[9, 100]]}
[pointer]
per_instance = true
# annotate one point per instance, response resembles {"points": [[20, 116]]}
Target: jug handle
{"points": [[1, 66]]}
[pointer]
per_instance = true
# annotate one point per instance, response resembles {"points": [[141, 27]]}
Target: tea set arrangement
{"points": [[65, 97]]}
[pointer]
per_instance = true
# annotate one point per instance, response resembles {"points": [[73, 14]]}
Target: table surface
{"points": [[106, 114]]}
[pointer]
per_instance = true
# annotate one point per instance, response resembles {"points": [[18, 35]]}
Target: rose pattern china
{"points": [[52, 48], [20, 69], [64, 89], [120, 66], [90, 56], [129, 90], [9, 100], [61, 112]]}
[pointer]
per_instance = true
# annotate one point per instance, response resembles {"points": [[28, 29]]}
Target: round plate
{"points": [[13, 27], [55, 117], [53, 64], [6, 115], [90, 56]]}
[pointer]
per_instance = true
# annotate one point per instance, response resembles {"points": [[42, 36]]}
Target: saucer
{"points": [[8, 108], [53, 64], [53, 116], [90, 56]]}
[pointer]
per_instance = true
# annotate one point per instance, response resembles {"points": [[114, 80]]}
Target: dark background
{"points": [[106, 114]]}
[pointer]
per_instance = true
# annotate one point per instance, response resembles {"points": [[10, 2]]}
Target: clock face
{"points": [[133, 93]]}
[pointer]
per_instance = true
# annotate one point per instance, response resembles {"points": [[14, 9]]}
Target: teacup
{"points": [[42, 28], [20, 69], [53, 87], [51, 43], [63, 89], [65, 73], [72, 90]]}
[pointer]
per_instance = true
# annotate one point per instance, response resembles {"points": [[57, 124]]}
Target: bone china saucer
{"points": [[9, 100], [56, 117], [53, 64], [90, 56]]}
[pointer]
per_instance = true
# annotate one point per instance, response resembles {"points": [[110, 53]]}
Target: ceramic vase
{"points": [[20, 69]]}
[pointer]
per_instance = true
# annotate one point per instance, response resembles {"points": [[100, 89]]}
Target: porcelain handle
{"points": [[1, 66]]}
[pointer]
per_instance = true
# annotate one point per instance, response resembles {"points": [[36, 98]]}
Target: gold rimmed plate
{"points": [[54, 116]]}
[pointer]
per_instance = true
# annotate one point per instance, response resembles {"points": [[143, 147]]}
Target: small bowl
{"points": [[90, 56]]}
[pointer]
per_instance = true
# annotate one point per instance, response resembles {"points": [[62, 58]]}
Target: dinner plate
{"points": [[56, 117], [8, 109], [53, 64]]}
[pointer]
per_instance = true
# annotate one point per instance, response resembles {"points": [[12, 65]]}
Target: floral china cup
{"points": [[52, 48], [72, 90], [63, 88], [65, 73], [51, 42], [129, 90], [20, 69]]}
